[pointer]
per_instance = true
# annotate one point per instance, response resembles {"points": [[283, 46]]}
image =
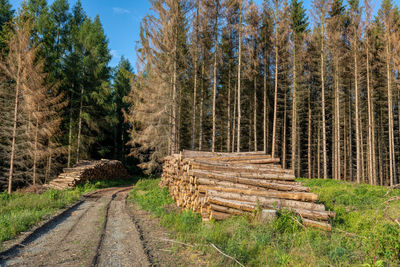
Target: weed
{"points": [[361, 235]]}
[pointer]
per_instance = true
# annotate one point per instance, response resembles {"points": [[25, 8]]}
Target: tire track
{"points": [[67, 239], [122, 242]]}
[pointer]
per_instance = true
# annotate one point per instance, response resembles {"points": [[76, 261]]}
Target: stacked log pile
{"points": [[219, 185], [89, 170]]}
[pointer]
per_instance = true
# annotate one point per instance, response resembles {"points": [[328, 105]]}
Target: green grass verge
{"points": [[361, 236], [20, 211]]}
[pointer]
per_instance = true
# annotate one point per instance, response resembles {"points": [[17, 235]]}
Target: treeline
{"points": [[320, 92], [59, 99]]}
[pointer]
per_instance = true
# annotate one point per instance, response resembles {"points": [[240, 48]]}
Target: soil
{"points": [[104, 229]]}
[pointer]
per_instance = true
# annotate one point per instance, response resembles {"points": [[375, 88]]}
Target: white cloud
{"points": [[114, 53], [120, 10]]}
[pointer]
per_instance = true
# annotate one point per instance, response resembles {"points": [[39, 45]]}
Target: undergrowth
{"points": [[361, 235], [20, 211]]}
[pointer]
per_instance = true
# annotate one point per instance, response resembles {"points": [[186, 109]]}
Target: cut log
{"points": [[267, 202], [321, 225], [219, 185], [239, 205], [248, 181], [224, 209], [217, 215], [269, 194]]}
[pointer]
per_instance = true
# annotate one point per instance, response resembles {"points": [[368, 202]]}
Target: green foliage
{"points": [[20, 211], [361, 235]]}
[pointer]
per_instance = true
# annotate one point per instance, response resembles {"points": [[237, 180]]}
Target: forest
{"points": [[60, 101], [318, 89]]}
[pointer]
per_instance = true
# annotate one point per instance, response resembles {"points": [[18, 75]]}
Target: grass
{"points": [[361, 236], [20, 211]]}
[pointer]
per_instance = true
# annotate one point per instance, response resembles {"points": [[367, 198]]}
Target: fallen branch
{"points": [[174, 241], [349, 234], [297, 221], [232, 258], [395, 186], [387, 202]]}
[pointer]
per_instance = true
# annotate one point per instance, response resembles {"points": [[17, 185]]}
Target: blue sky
{"points": [[121, 21]]}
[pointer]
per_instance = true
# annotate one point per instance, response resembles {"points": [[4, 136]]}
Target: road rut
{"points": [[97, 232]]}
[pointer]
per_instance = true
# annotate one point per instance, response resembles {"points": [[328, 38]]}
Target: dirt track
{"points": [[98, 231]]}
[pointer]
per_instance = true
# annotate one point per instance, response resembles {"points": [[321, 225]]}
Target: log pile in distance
{"points": [[84, 171]]}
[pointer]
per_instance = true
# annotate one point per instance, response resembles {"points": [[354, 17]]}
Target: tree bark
{"points": [[215, 79], [70, 133], [239, 80], [35, 148], [275, 98], [79, 127], [390, 113], [265, 103], [357, 121], [14, 131], [255, 98], [174, 104], [294, 112], [195, 76], [201, 108], [309, 137], [228, 129], [284, 133], [324, 150]]}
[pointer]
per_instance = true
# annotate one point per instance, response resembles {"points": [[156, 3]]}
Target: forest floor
{"points": [[141, 226], [103, 229], [362, 235]]}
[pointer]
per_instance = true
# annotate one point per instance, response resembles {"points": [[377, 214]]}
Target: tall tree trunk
{"points": [[215, 78], [350, 149], [195, 75], [337, 157], [265, 104], [294, 113], [79, 127], [357, 121], [48, 169], [324, 150], [275, 101], [234, 121], [284, 133], [228, 129], [174, 101], [372, 172], [14, 131], [201, 107], [319, 149], [390, 114], [255, 112], [345, 146], [70, 133], [239, 80], [194, 104], [35, 150], [309, 137], [48, 165]]}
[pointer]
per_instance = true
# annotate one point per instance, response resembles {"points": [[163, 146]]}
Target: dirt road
{"points": [[98, 231]]}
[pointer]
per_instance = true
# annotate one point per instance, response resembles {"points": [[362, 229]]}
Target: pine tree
{"points": [[321, 10], [298, 26], [158, 83], [120, 90]]}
